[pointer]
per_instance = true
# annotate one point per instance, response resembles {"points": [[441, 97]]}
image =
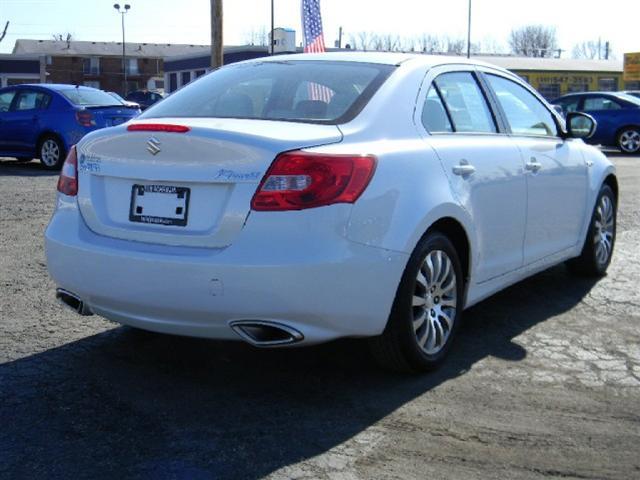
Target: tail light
{"points": [[68, 180], [157, 127], [300, 180], [85, 118]]}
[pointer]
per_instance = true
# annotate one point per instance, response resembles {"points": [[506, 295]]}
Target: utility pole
{"points": [[273, 26], [340, 37], [217, 58], [469, 33]]}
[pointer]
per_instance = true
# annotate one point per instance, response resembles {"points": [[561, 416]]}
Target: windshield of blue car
{"points": [[93, 98], [299, 91]]}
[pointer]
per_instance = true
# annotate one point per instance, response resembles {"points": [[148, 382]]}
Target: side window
{"points": [[525, 113], [569, 105], [601, 103], [465, 102], [434, 116], [30, 100], [5, 100]]}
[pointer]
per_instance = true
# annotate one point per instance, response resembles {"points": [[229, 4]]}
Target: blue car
{"points": [[617, 115], [44, 120]]}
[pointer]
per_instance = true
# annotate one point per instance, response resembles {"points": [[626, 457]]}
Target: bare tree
{"points": [[4, 32], [430, 44], [389, 42], [533, 41], [592, 50], [456, 46], [62, 37], [258, 36]]}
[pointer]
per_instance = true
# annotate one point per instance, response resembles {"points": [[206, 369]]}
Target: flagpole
{"points": [[272, 29]]}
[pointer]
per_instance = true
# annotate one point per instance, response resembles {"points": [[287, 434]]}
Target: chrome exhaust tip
{"points": [[260, 333], [73, 301]]}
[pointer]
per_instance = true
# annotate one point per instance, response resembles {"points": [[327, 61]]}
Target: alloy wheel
{"points": [[434, 302], [630, 141], [604, 224], [50, 152]]}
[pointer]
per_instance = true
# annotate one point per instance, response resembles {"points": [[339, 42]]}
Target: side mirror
{"points": [[580, 125]]}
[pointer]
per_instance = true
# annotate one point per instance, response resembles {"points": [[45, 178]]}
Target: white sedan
{"points": [[297, 199]]}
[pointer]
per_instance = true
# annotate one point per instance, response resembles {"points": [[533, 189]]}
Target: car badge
{"points": [[153, 146]]}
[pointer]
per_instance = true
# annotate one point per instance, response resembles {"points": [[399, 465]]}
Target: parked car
{"points": [[144, 98], [297, 199], [44, 120], [617, 115], [125, 102], [633, 93]]}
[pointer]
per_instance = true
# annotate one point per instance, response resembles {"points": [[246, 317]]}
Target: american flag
{"points": [[312, 26], [314, 43]]}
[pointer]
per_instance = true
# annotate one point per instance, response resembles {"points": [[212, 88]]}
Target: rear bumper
{"points": [[320, 284]]}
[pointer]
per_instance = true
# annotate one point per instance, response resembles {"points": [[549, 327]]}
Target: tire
{"points": [[51, 152], [426, 292], [600, 240], [629, 140]]}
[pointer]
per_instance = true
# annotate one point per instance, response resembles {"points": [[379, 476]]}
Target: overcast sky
{"points": [[187, 21]]}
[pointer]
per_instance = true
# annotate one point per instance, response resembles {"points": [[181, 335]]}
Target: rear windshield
{"points": [[301, 91], [86, 97]]}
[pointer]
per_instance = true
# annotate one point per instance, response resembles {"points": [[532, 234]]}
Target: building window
{"points": [[199, 73], [525, 78], [91, 66], [132, 66], [549, 90], [173, 82], [185, 77], [632, 85], [48, 60], [608, 84], [92, 83], [578, 87]]}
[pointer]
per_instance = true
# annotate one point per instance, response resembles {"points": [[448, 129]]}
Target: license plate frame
{"points": [[136, 209]]}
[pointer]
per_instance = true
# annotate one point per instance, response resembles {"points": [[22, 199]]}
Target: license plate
{"points": [[159, 204]]}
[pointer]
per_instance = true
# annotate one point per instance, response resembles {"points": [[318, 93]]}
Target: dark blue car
{"points": [[617, 115], [44, 120]]}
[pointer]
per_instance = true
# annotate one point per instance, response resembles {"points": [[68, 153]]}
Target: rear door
{"points": [[22, 123], [484, 167], [6, 138], [556, 172]]}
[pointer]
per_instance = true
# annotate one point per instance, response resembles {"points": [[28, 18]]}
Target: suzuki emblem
{"points": [[153, 146]]}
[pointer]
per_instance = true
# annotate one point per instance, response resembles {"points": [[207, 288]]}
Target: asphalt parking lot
{"points": [[544, 382]]}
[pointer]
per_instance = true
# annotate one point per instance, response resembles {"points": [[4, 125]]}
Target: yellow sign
{"points": [[632, 67]]}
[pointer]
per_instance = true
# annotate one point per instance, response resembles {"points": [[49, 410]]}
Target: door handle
{"points": [[533, 165], [464, 168]]}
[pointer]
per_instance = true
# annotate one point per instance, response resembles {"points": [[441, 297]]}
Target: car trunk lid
{"points": [[188, 189]]}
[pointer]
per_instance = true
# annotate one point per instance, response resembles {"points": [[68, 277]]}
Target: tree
{"points": [[533, 41], [592, 50], [62, 37], [257, 37]]}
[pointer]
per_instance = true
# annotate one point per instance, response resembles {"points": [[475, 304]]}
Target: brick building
{"points": [[99, 64]]}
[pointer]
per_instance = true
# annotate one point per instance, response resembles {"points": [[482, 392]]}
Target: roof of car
{"points": [[382, 58], [55, 86]]}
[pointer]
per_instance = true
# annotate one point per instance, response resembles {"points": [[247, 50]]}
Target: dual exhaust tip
{"points": [[259, 333]]}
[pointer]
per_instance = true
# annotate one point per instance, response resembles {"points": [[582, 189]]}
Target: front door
{"points": [[556, 171]]}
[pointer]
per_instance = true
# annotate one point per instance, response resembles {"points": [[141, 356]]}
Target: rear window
{"points": [[301, 91], [86, 97]]}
